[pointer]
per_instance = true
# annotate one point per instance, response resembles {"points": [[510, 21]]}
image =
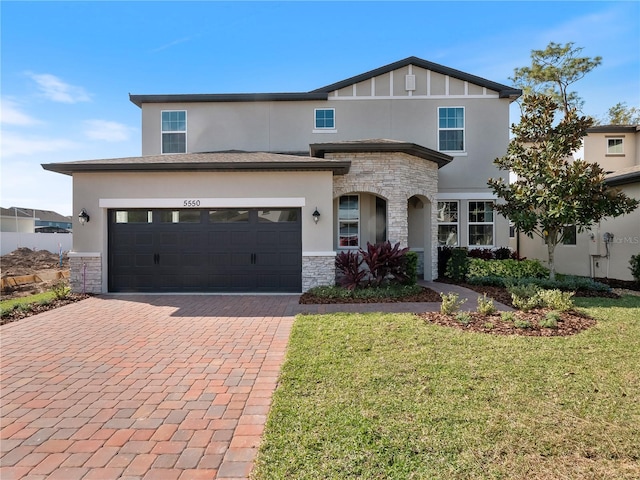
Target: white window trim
{"points": [[464, 131], [162, 132], [317, 129], [340, 247], [622, 145], [470, 223], [457, 224]]}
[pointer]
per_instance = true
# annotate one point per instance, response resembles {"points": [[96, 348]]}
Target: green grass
{"points": [[24, 302], [387, 396]]}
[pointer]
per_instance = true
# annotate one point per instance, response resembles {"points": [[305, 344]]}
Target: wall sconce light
{"points": [[316, 215], [83, 217]]}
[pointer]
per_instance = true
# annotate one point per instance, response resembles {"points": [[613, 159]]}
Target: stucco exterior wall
{"points": [[588, 256], [159, 189], [595, 150]]}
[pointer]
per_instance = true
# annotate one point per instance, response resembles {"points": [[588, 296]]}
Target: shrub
{"points": [[635, 267], [485, 305], [506, 268], [60, 290], [444, 254], [458, 265], [502, 253], [348, 265], [522, 323], [450, 303], [550, 320], [385, 262], [411, 268], [524, 297], [507, 317], [481, 253], [556, 299], [463, 317]]}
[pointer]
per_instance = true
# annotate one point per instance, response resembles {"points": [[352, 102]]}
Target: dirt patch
{"points": [[25, 261], [522, 323]]}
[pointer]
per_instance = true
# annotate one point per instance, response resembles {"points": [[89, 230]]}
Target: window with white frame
{"points": [[448, 223], [481, 223], [349, 221], [174, 131], [451, 129], [614, 146], [325, 119]]}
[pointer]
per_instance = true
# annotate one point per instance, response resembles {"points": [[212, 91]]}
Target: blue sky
{"points": [[67, 67]]}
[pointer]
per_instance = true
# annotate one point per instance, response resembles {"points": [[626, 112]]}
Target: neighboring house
{"points": [[605, 250], [28, 220], [227, 192]]}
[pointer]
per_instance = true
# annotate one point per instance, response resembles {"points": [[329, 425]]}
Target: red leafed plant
{"points": [[348, 264], [385, 262]]}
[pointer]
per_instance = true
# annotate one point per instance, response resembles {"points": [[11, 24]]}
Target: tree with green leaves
{"points": [[620, 114], [552, 191], [553, 70]]}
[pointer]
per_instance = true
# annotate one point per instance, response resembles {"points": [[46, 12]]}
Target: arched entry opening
{"points": [[419, 215], [361, 218]]}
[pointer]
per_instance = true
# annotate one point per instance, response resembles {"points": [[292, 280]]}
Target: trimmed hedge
{"points": [[506, 268]]}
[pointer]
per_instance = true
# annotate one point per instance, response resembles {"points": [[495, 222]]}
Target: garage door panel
{"points": [[235, 253]]}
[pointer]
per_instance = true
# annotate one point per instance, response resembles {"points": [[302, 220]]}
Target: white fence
{"points": [[10, 241]]}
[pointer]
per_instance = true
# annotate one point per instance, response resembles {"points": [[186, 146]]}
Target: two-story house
{"points": [[257, 192], [603, 251]]}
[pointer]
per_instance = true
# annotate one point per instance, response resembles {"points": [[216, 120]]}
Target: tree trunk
{"points": [[551, 246]]}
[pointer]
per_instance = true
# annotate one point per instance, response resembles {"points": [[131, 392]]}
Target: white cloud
{"points": [[10, 114], [14, 144], [106, 130], [58, 91]]}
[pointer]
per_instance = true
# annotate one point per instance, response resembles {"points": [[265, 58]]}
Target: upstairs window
{"points": [[614, 146], [174, 131], [451, 129], [325, 119]]}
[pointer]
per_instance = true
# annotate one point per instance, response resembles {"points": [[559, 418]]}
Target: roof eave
{"points": [[319, 150], [337, 167], [227, 97]]}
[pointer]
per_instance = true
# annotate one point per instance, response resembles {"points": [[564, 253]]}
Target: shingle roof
{"points": [[213, 161], [504, 90], [322, 93], [380, 145], [624, 176]]}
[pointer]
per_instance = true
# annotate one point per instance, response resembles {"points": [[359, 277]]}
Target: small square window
{"points": [[615, 146], [325, 118]]}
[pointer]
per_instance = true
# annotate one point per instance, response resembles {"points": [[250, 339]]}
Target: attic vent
{"points": [[410, 82]]}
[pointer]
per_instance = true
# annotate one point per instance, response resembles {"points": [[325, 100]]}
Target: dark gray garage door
{"points": [[205, 250]]}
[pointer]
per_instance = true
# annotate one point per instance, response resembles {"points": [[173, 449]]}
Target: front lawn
{"points": [[391, 396]]}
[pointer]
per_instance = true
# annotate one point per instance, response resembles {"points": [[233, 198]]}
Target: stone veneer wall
{"points": [[396, 177], [318, 270], [86, 272]]}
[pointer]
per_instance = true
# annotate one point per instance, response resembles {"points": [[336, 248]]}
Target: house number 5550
{"points": [[191, 203]]}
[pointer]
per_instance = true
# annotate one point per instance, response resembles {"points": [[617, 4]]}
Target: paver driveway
{"points": [[166, 387], [147, 387]]}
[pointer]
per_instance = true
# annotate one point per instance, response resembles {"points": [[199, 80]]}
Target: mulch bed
{"points": [[426, 295], [569, 323], [36, 308]]}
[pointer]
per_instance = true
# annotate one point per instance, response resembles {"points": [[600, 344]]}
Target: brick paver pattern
{"points": [[157, 387]]}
